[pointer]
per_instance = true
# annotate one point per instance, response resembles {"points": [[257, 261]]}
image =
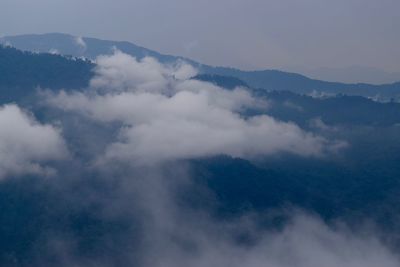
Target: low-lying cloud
{"points": [[167, 116], [25, 144], [305, 241], [138, 214], [80, 42], [121, 72]]}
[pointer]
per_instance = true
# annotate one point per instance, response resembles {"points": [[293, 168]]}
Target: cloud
{"points": [[54, 51], [167, 116], [80, 42], [122, 72], [5, 43], [174, 235], [158, 114], [319, 124], [25, 144], [305, 241], [291, 105]]}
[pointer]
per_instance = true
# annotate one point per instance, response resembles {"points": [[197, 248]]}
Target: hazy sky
{"points": [[316, 37]]}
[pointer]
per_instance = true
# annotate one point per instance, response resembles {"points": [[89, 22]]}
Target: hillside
{"points": [[22, 72]]}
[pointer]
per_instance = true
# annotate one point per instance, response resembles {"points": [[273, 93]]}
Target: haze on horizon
{"points": [[343, 40]]}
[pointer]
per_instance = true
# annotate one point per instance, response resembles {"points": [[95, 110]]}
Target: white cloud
{"points": [[80, 42], [25, 144], [165, 115], [291, 105], [305, 242], [121, 72], [54, 51], [5, 43]]}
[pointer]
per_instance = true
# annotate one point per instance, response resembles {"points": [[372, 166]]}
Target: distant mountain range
{"points": [[269, 80]]}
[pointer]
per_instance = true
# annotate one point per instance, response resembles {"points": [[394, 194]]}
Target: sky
{"points": [[342, 40]]}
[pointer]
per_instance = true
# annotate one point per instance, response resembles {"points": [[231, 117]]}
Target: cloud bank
{"points": [[134, 214], [306, 241], [25, 144], [166, 116]]}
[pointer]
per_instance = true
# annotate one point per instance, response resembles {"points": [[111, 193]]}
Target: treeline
{"points": [[22, 72]]}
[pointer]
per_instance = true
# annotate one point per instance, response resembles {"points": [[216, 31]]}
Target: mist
{"points": [[130, 196]]}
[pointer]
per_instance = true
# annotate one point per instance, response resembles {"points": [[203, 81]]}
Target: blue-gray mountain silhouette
{"points": [[266, 79]]}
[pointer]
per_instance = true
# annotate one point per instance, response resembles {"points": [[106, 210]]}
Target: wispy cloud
{"points": [[25, 144], [80, 42]]}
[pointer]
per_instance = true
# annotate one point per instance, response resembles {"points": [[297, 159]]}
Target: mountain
{"points": [[222, 81], [351, 74], [64, 44], [266, 79], [289, 106], [22, 72]]}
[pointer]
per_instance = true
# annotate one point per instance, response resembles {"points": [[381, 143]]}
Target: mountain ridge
{"points": [[269, 79]]}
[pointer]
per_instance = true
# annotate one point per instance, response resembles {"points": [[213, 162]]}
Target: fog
{"points": [[132, 199]]}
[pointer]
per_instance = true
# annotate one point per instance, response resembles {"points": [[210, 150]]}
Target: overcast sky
{"points": [[315, 37]]}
